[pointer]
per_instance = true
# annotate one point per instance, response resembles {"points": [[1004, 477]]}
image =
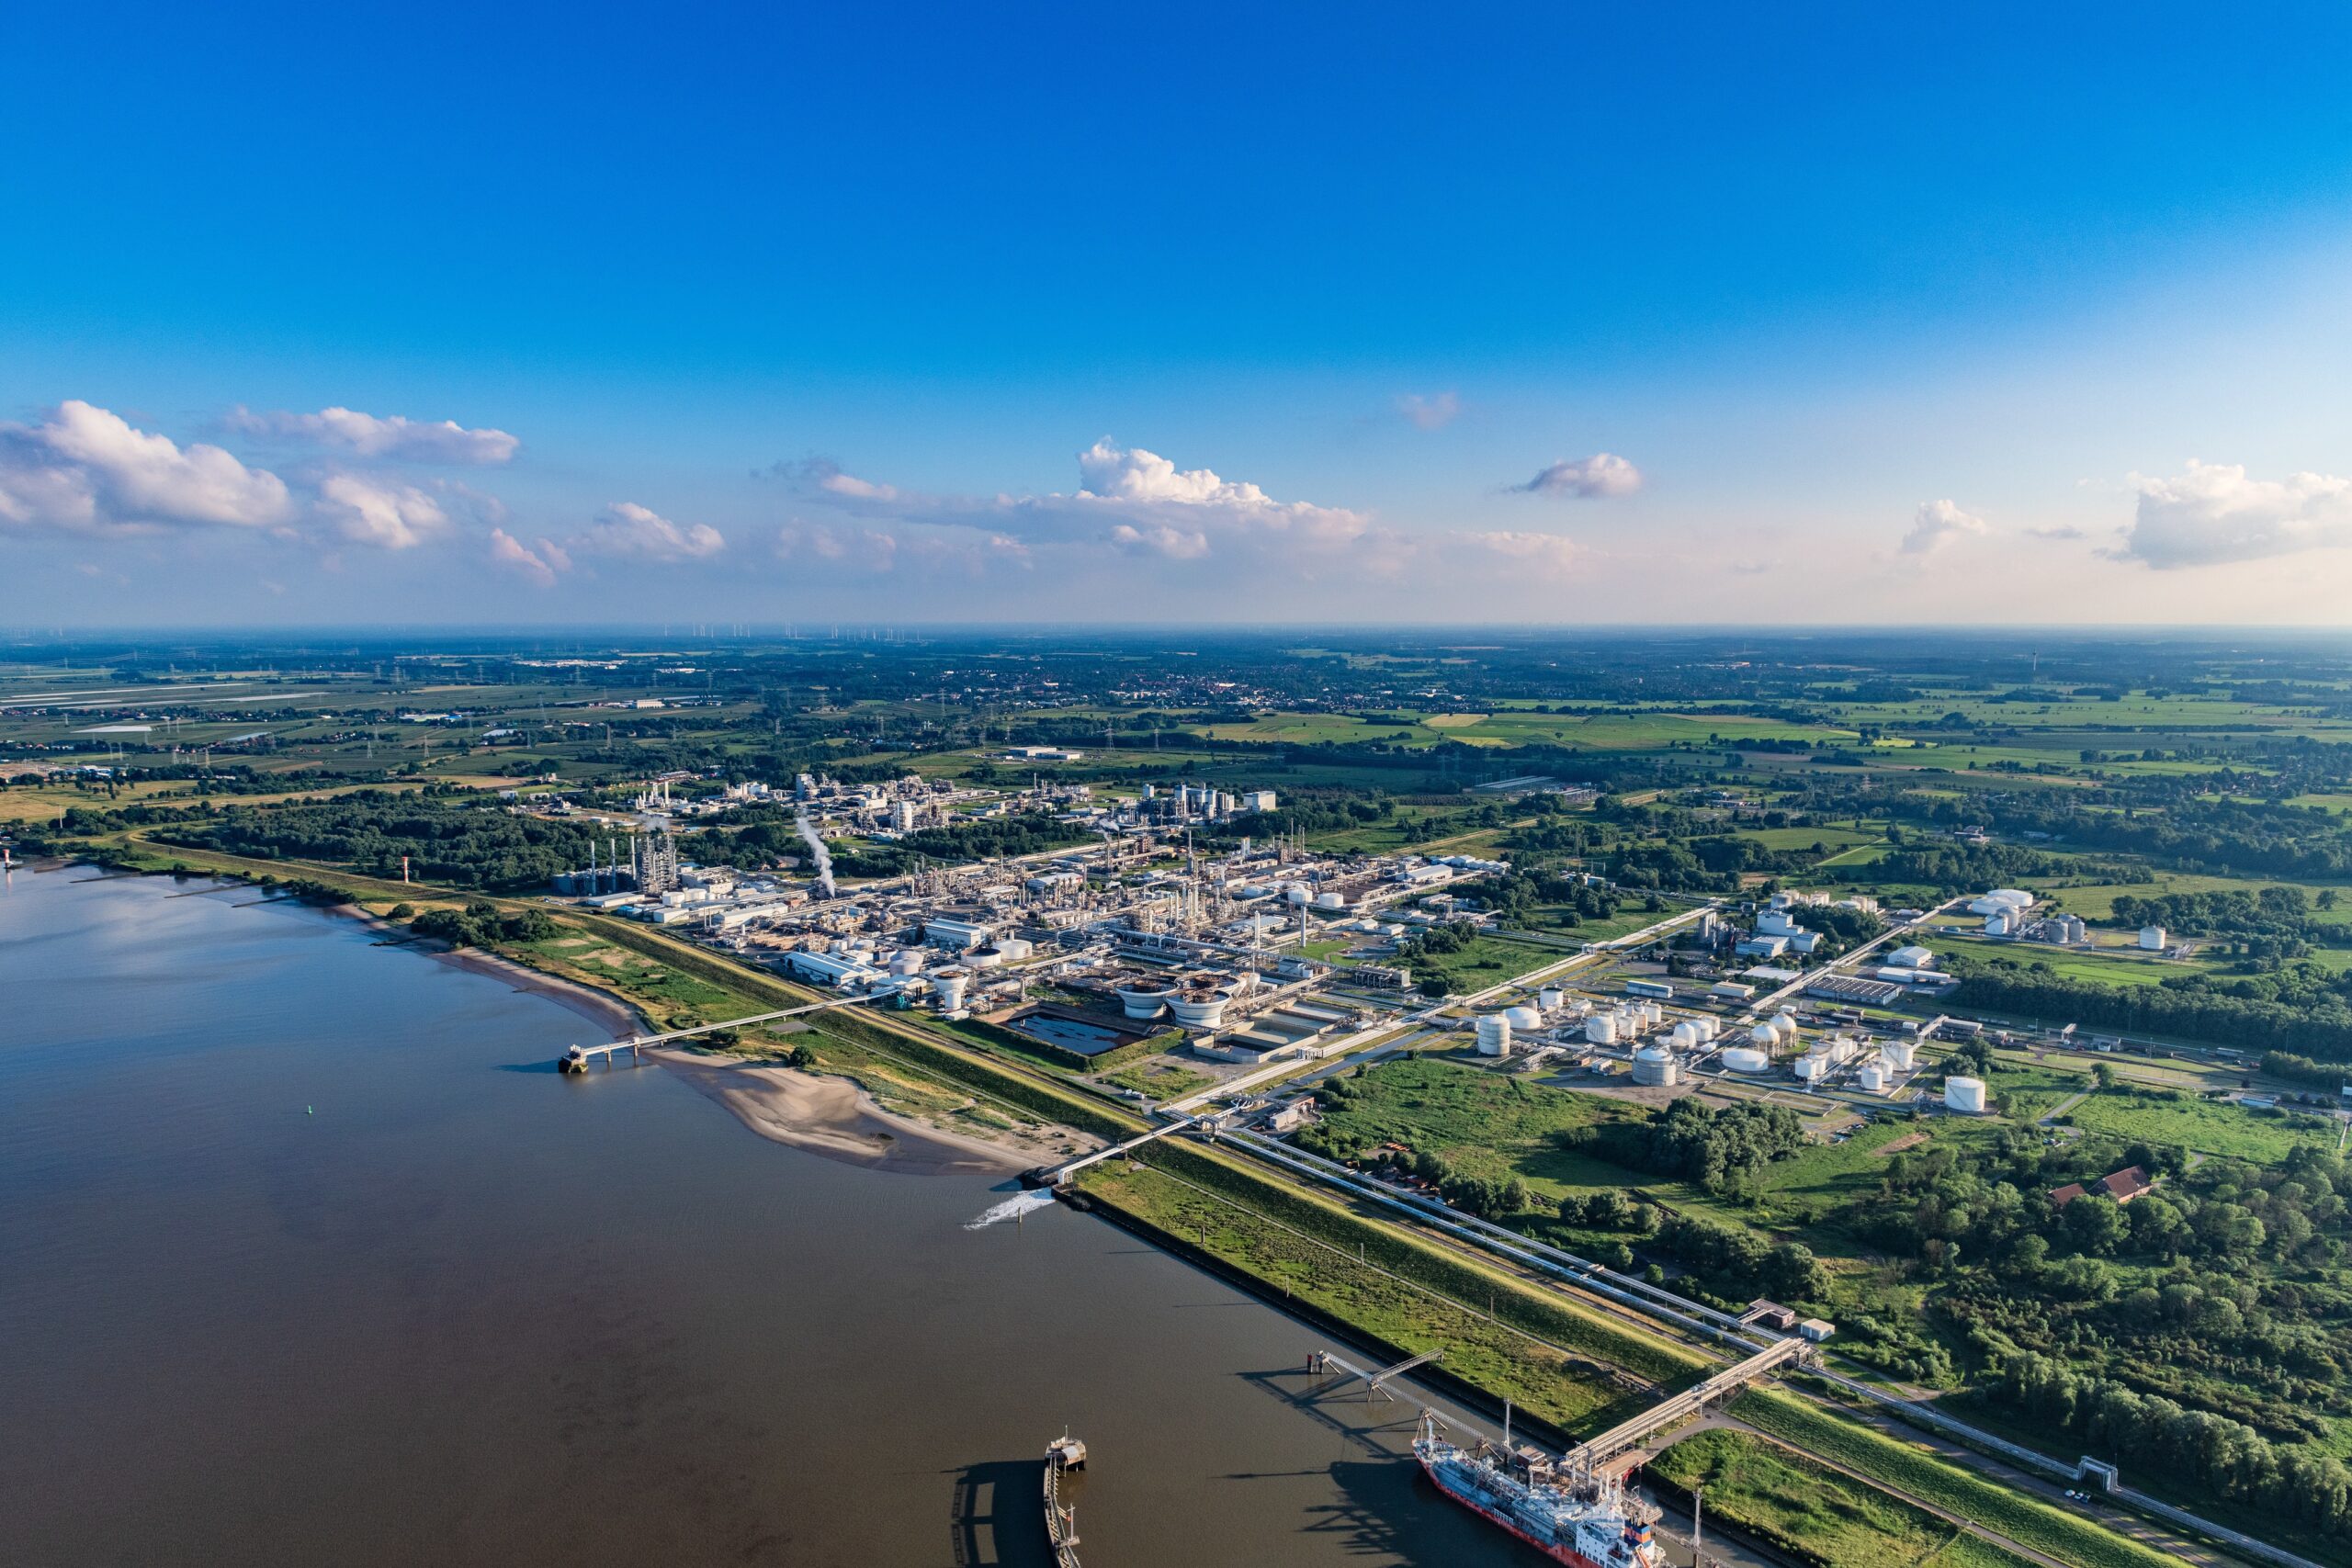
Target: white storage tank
{"points": [[1296, 894], [1746, 1059], [1144, 1002], [1652, 1015], [1707, 1026], [2151, 939], [1900, 1054], [1330, 901], [907, 961], [1784, 1026], [1524, 1019], [1812, 1068], [1654, 1066], [1494, 1035], [1685, 1036], [1873, 1078], [1765, 1036], [1550, 998], [1600, 1029], [1964, 1094], [949, 987]]}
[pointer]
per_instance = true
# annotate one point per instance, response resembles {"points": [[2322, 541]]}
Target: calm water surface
{"points": [[307, 1256]]}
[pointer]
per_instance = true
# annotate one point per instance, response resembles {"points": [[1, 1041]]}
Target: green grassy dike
{"points": [[1919, 1472]]}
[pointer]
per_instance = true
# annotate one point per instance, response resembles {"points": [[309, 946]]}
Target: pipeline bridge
{"points": [[575, 1060], [1606, 1446]]}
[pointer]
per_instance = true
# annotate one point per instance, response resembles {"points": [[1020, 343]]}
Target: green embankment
{"points": [[2015, 1514], [1814, 1513]]}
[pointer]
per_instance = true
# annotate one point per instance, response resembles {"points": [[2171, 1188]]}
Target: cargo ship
{"points": [[1583, 1523]]}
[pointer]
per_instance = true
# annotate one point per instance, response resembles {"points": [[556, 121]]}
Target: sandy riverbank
{"points": [[835, 1118]]}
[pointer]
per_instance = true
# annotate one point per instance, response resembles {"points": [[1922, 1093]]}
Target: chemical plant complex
{"points": [[1262, 954]]}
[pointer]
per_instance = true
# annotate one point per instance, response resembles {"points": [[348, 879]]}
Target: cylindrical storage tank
{"points": [[1652, 1015], [1015, 949], [1685, 1036], [1600, 1029], [907, 961], [1494, 1035], [1900, 1055], [1330, 901], [1746, 1059], [1811, 1069], [1706, 1025], [1964, 1094], [1294, 894], [1550, 998], [1654, 1066], [986, 958], [1523, 1018], [949, 989], [1873, 1079]]}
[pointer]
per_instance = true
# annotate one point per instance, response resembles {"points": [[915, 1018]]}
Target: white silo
{"points": [[1900, 1054], [1654, 1066], [1873, 1078], [1964, 1094], [1494, 1035], [1330, 901], [1550, 998], [1810, 1067], [1600, 1029], [1652, 1015]]}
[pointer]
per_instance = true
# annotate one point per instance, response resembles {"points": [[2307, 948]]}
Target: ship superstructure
{"points": [[1584, 1523]]}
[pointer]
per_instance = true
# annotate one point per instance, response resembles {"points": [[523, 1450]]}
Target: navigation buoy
{"points": [[308, 1111]]}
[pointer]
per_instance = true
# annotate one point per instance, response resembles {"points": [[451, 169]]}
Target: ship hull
{"points": [[1558, 1553]]}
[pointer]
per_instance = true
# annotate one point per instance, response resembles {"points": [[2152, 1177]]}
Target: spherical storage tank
{"points": [[1523, 1018], [1600, 1029], [1654, 1066], [1494, 1035], [1746, 1059], [1765, 1036], [1966, 1095]]}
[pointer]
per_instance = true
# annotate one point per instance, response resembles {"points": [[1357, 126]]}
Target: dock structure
{"points": [[1598, 1450], [1064, 1454], [575, 1059]]}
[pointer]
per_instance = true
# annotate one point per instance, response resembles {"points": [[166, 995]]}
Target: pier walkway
{"points": [[580, 1053]]}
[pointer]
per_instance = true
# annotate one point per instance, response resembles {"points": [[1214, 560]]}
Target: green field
{"points": [[2207, 1126], [1815, 1513]]}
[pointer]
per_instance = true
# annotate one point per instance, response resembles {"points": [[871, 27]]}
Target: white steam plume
{"points": [[816, 848]]}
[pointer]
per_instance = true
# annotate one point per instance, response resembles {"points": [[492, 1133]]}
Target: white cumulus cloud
{"points": [[386, 516], [1130, 502], [1937, 524], [539, 565], [1600, 475], [2215, 513], [392, 436], [88, 471], [1549, 555], [638, 533]]}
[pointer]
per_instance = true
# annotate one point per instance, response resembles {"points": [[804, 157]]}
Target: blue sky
{"points": [[1262, 313]]}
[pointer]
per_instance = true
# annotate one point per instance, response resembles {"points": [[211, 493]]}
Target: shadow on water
{"points": [[548, 1066], [997, 1517]]}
